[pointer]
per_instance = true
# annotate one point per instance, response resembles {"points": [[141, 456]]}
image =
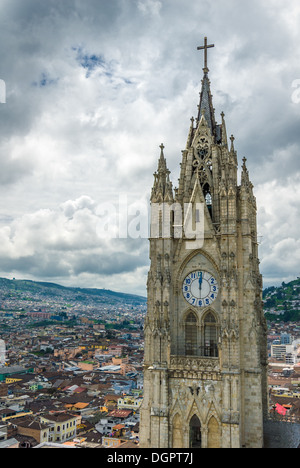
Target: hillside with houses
{"points": [[283, 302]]}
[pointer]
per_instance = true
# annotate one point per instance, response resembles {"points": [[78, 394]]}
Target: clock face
{"points": [[200, 288]]}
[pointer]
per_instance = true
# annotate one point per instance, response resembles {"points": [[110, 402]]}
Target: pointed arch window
{"points": [[214, 434], [191, 335], [195, 432], [177, 432], [210, 336], [208, 197]]}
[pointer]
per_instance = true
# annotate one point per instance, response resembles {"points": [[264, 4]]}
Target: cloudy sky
{"points": [[94, 87]]}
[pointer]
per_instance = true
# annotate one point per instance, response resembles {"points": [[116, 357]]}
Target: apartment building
{"points": [[62, 426]]}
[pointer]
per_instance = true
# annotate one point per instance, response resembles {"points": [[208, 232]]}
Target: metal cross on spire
{"points": [[205, 47]]}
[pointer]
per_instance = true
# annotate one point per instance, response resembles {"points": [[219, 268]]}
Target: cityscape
{"points": [[71, 370]]}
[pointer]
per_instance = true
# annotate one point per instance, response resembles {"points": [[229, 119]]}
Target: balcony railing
{"points": [[202, 351]]}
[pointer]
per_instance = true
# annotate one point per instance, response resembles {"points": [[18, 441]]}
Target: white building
{"points": [[2, 353]]}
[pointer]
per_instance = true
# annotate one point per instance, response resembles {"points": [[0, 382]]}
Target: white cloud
{"points": [[278, 224], [65, 243], [149, 6]]}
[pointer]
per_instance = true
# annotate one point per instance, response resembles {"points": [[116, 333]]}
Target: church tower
{"points": [[205, 361]]}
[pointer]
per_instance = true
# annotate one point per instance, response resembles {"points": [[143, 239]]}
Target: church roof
{"points": [[206, 106], [207, 110]]}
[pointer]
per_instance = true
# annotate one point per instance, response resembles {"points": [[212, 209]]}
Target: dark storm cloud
{"points": [[39, 265], [108, 263], [94, 87]]}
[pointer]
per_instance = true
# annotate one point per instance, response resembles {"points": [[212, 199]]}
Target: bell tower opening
{"points": [[208, 197], [210, 336], [191, 335]]}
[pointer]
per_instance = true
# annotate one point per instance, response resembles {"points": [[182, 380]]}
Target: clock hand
{"points": [[200, 279], [200, 282]]}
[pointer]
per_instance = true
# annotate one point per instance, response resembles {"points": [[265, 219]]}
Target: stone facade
{"points": [[205, 362]]}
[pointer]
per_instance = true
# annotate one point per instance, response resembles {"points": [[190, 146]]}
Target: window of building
{"points": [[191, 335], [210, 343]]}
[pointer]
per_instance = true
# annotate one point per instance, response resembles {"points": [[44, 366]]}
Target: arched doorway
{"points": [[195, 432]]}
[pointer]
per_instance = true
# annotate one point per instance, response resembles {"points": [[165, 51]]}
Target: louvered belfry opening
{"points": [[191, 335]]}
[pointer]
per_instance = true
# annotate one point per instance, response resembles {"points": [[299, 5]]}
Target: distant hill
{"points": [[284, 300], [42, 289]]}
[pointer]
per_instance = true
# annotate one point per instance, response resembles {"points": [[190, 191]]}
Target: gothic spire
{"points": [[224, 132], [206, 106], [245, 182], [162, 165], [162, 190]]}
